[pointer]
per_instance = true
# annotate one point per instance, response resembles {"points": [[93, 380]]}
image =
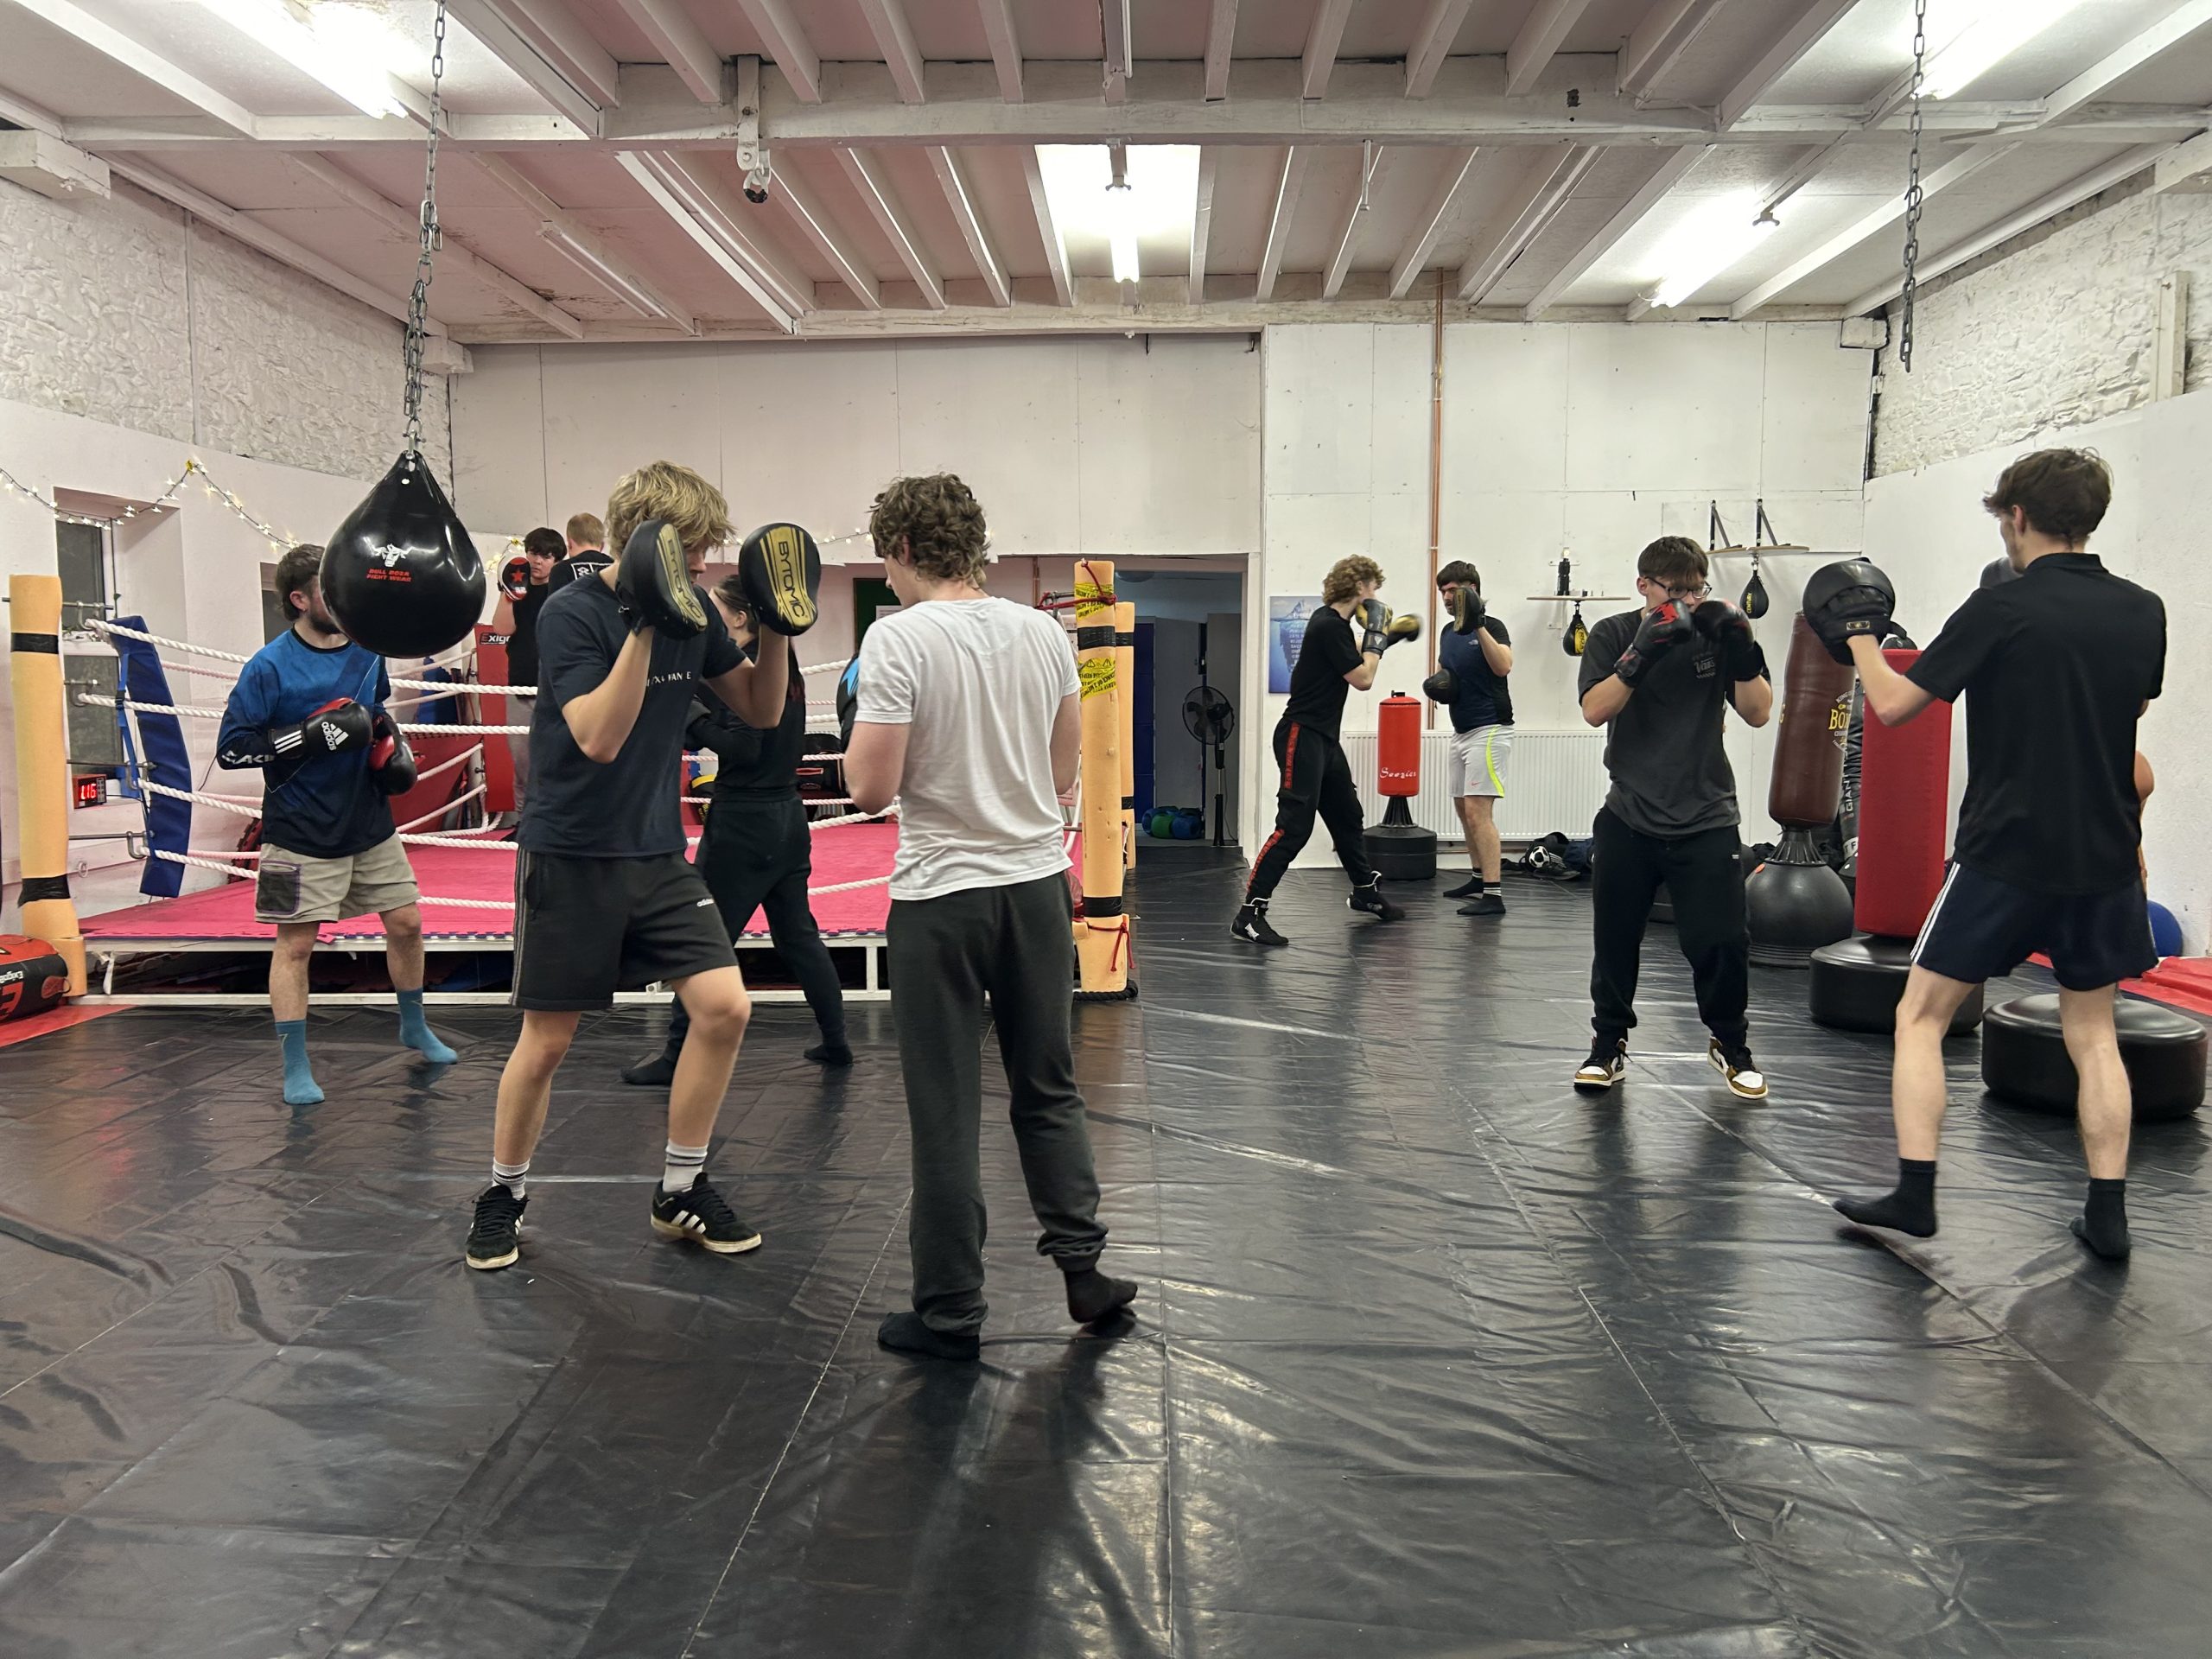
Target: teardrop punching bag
{"points": [[1794, 902], [401, 574]]}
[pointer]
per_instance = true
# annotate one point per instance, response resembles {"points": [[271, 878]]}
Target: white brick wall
{"points": [[2054, 330], [127, 312]]}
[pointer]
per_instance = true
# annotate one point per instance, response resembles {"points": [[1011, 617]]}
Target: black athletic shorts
{"points": [[1982, 927], [587, 927]]}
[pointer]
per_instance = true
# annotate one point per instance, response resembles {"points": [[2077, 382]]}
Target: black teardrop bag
{"points": [[1755, 600], [400, 575]]}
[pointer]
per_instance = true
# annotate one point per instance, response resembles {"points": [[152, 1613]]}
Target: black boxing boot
{"points": [[1368, 897], [1252, 924]]}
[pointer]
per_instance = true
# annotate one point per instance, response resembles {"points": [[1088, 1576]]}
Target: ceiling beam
{"points": [[884, 206], [1659, 41], [1117, 47], [141, 61], [1669, 173], [1810, 26], [1322, 40], [1433, 44], [453, 254], [2174, 28], [1055, 249], [781, 33], [1538, 39], [804, 209], [682, 44], [1289, 184], [886, 21], [1202, 223], [1340, 265], [1006, 47], [697, 217], [741, 225], [1413, 258], [585, 248], [1221, 46], [31, 117], [2116, 171], [961, 200], [1962, 166], [1522, 218], [259, 236], [576, 77]]}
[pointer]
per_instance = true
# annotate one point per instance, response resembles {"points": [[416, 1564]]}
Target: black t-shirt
{"points": [[751, 764], [1484, 699], [627, 808], [1317, 687], [1670, 773], [2055, 666], [522, 644], [576, 567]]}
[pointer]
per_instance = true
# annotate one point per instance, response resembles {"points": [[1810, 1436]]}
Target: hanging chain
{"points": [[418, 302], [1912, 191]]}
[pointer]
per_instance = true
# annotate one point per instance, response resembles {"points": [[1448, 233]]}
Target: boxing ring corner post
{"points": [[42, 768], [1101, 929]]}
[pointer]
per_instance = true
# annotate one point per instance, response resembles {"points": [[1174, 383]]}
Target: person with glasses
{"points": [[1662, 679]]}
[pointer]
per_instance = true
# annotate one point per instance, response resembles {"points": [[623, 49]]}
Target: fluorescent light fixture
{"points": [[1998, 30], [1152, 216], [327, 44], [620, 286], [1714, 237], [1122, 216]]}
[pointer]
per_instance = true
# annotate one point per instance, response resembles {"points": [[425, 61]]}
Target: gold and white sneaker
{"points": [[1745, 1080]]}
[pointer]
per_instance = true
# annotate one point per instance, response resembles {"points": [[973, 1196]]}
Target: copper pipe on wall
{"points": [[1435, 481]]}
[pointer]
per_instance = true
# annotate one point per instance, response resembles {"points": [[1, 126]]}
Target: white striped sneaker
{"points": [[700, 1214]]}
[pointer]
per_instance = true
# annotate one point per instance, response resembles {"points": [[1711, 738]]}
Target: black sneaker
{"points": [[495, 1238], [1370, 899], [1607, 1066], [1471, 887], [1251, 924], [1745, 1080], [656, 1071], [699, 1214], [1488, 904]]}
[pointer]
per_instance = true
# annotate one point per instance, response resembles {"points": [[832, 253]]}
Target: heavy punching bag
{"points": [[1794, 902], [1398, 848], [401, 574]]}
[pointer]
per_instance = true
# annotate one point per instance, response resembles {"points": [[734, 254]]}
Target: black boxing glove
{"points": [[1660, 632]]}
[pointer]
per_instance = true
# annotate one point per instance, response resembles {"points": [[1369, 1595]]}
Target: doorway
{"points": [[1190, 633]]}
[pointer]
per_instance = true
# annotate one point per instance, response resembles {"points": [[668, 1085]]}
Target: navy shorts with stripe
{"points": [[1982, 928]]}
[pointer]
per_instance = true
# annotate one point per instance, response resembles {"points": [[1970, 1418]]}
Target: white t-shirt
{"points": [[977, 683]]}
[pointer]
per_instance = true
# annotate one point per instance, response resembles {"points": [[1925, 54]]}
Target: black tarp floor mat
{"points": [[1434, 1358]]}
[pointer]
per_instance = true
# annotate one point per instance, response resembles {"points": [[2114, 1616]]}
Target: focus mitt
{"points": [[514, 578], [1441, 686], [653, 583], [1846, 599], [391, 763], [779, 572], [1467, 612]]}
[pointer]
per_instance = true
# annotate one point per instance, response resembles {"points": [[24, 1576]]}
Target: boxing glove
{"points": [[1660, 632], [391, 763], [339, 725]]}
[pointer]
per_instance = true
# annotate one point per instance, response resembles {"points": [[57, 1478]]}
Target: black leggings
{"points": [[1704, 874], [757, 854], [1316, 779]]}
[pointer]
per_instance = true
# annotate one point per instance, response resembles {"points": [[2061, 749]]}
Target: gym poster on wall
{"points": [[1286, 614]]}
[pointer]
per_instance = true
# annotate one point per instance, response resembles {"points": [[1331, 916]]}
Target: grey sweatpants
{"points": [[1015, 945]]}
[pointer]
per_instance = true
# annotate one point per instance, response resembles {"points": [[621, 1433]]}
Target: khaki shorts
{"points": [[293, 888]]}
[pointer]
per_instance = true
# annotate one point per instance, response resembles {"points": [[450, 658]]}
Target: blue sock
{"points": [[299, 1082], [415, 1031]]}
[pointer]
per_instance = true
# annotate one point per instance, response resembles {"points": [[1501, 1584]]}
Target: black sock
{"points": [[654, 1072], [909, 1334], [2102, 1224], [832, 1051], [1092, 1295], [1910, 1209]]}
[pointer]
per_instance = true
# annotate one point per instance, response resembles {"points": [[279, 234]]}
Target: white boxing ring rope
{"points": [[203, 858]]}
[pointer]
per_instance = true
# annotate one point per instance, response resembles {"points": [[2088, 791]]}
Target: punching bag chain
{"points": [[418, 301], [1912, 192]]}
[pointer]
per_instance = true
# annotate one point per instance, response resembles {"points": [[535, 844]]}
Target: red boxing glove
{"points": [[391, 763], [514, 577]]}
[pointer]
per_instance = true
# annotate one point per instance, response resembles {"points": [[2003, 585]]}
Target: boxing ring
{"points": [[205, 948]]}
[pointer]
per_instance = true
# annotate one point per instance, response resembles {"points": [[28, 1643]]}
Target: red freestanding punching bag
{"points": [[1398, 848], [1397, 745], [1904, 774]]}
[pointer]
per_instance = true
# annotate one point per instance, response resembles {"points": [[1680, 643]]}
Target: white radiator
{"points": [[1554, 781]]}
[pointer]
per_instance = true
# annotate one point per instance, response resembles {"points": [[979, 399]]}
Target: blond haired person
{"points": [[605, 898], [1344, 644]]}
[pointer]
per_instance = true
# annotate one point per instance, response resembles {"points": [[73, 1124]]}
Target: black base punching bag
{"points": [[1794, 903], [401, 574]]}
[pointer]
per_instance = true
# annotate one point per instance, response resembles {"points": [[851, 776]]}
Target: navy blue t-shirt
{"points": [[1483, 699], [627, 808], [323, 805]]}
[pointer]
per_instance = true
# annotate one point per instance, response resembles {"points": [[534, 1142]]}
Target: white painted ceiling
{"points": [[885, 118]]}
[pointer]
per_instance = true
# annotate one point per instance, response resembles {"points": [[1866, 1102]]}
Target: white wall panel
{"points": [[1813, 412], [1504, 415], [810, 433], [1169, 461], [1655, 409], [611, 408], [499, 461], [1318, 383], [1001, 413]]}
